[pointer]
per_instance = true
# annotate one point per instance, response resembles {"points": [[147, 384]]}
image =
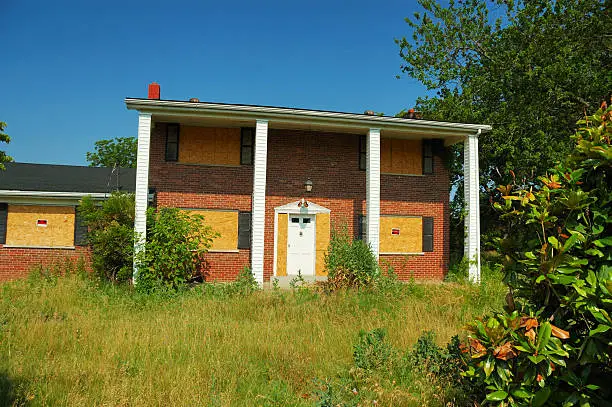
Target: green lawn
{"points": [[68, 341]]}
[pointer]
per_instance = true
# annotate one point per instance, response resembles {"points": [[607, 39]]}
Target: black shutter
{"points": [[361, 228], [247, 138], [428, 157], [172, 141], [80, 229], [244, 230], [362, 152], [428, 234], [3, 216]]}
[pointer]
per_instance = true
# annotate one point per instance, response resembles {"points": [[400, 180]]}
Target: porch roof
{"points": [[236, 115]]}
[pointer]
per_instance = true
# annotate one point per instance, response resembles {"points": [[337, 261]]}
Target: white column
{"points": [[142, 186], [471, 188], [373, 190], [258, 215]]}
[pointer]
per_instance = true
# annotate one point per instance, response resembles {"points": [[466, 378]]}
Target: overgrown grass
{"points": [[71, 341]]}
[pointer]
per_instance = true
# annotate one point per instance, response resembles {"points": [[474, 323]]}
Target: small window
{"points": [[172, 142], [306, 220], [295, 220], [362, 152], [246, 145]]}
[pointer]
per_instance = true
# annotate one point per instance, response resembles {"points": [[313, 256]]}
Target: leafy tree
{"points": [[529, 68], [120, 152], [4, 138]]}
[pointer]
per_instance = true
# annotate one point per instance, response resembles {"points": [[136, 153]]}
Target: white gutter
{"points": [[51, 194], [286, 115]]}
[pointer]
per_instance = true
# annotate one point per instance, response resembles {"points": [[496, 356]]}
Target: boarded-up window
{"points": [[223, 222], [210, 145], [40, 226], [400, 156], [401, 234]]}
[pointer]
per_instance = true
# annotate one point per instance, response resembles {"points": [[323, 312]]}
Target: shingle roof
{"points": [[66, 178]]}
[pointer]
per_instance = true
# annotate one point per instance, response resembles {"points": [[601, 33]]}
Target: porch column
{"points": [[259, 200], [142, 186], [373, 190], [472, 206]]}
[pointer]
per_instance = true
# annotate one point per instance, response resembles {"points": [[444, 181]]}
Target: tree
{"points": [[529, 68], [4, 138], [119, 152]]}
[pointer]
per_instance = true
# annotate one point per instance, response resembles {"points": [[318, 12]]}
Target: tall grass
{"points": [[71, 341]]}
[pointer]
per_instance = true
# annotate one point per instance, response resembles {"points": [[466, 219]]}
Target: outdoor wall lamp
{"points": [[308, 185]]}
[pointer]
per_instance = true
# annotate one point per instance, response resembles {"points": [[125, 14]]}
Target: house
{"points": [[38, 221], [273, 181]]}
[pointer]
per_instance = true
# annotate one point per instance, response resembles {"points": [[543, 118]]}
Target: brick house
{"points": [[273, 181], [39, 224]]}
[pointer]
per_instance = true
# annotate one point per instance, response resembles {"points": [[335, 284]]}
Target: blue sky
{"points": [[67, 66]]}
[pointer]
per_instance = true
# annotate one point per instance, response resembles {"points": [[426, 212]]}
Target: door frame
{"points": [[312, 216], [297, 208]]}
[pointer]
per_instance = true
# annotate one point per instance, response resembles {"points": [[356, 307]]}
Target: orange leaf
{"points": [[559, 333], [540, 378], [528, 323], [476, 348], [531, 335], [505, 351]]}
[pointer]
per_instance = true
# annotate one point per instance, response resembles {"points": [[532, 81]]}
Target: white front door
{"points": [[301, 245]]}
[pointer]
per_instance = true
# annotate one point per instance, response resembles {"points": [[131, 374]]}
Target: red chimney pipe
{"points": [[154, 90]]}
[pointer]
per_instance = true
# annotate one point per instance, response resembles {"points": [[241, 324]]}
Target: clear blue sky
{"points": [[65, 67]]}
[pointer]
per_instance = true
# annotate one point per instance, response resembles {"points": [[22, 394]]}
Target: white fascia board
{"points": [[51, 194], [300, 116]]}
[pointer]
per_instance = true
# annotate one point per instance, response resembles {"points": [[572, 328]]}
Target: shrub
{"points": [[372, 351], [111, 235], [174, 250], [558, 270], [349, 263]]}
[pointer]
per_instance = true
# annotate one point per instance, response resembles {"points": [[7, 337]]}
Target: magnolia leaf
{"points": [[505, 351], [600, 328], [558, 332], [541, 397], [521, 393], [544, 335], [497, 396], [488, 366]]}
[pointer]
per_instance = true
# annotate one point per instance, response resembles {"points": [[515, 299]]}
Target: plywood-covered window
{"points": [[401, 234], [40, 226], [400, 156], [224, 222], [209, 145]]}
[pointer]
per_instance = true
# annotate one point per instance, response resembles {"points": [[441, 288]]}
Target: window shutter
{"points": [[428, 234], [172, 141], [80, 229], [244, 230], [247, 136], [362, 152], [361, 228], [3, 217], [428, 157]]}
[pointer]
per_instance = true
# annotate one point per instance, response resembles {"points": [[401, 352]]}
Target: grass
{"points": [[71, 341]]}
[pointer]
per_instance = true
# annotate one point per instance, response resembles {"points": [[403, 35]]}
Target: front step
{"points": [[285, 281]]}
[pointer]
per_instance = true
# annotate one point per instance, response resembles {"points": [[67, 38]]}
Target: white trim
{"points": [[293, 208], [258, 211], [373, 191], [52, 194], [18, 246], [221, 110], [142, 187], [275, 242]]}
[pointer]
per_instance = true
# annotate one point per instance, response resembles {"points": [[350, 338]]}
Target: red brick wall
{"points": [[331, 161], [19, 262]]}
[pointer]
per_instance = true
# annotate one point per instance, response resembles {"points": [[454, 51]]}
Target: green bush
{"points": [[559, 270], [349, 263], [372, 351], [174, 251], [111, 235]]}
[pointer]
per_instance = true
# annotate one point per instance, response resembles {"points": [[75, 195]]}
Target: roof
{"points": [[65, 178], [284, 117]]}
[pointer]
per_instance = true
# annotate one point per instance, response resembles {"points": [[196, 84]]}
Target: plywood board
{"points": [[223, 222], [22, 228], [400, 156], [322, 243], [209, 145], [409, 237], [281, 245]]}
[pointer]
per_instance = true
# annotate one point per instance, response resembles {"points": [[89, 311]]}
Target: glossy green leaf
{"points": [[497, 396], [541, 397]]}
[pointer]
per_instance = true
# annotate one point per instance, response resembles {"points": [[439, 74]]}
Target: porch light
{"points": [[308, 185]]}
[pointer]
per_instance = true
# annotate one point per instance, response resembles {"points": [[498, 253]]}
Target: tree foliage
{"points": [[529, 68], [118, 152], [559, 270], [4, 138]]}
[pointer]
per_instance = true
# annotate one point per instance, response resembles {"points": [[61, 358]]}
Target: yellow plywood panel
{"points": [[401, 156], [23, 229], [209, 145], [281, 245], [409, 238], [223, 222], [323, 236]]}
